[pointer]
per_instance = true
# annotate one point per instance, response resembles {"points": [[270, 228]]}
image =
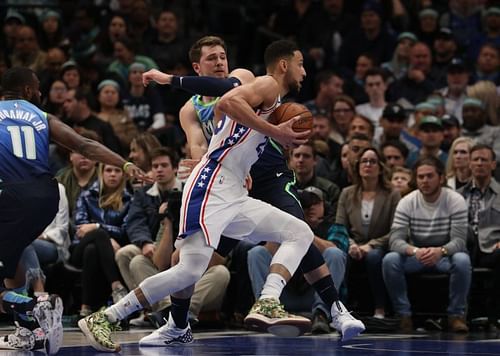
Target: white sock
{"points": [[125, 306], [273, 287]]}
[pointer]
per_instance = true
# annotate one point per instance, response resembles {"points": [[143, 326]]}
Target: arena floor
{"points": [[249, 343]]}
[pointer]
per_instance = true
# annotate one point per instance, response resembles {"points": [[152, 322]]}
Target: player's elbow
{"points": [[225, 104]]}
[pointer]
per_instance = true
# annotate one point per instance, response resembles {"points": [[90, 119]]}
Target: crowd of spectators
{"points": [[398, 178]]}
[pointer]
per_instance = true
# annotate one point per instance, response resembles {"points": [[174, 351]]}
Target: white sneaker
{"points": [[48, 312], [168, 334], [22, 339], [141, 321], [344, 322]]}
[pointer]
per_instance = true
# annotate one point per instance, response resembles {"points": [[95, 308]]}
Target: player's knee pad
{"points": [[312, 260]]}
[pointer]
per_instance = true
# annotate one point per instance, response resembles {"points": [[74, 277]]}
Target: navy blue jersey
{"points": [[24, 141]]}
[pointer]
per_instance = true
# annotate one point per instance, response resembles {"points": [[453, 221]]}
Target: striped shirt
{"points": [[422, 224]]}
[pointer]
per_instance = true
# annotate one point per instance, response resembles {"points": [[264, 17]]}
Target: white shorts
{"points": [[222, 207]]}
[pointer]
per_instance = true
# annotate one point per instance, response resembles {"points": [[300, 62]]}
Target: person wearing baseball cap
{"points": [[457, 78], [398, 65], [393, 123], [430, 133], [451, 131]]}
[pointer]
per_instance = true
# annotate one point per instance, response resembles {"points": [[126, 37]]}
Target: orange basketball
{"points": [[287, 111]]}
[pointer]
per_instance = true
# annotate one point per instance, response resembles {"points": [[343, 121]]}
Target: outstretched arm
{"points": [[67, 137]]}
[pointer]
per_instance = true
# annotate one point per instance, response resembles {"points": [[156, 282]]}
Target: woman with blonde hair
{"points": [[486, 91], [366, 209], [100, 219], [458, 172]]}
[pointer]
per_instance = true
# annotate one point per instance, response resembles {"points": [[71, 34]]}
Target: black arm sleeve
{"points": [[207, 86]]}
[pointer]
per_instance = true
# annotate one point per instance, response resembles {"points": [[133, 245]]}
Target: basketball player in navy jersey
{"points": [[29, 199], [273, 182]]}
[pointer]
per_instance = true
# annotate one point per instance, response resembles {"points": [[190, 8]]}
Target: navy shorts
{"points": [[26, 209]]}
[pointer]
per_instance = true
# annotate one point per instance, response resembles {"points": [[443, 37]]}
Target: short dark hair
{"points": [[206, 41], [482, 146], [165, 151], [376, 71], [323, 77], [14, 79], [278, 50], [308, 143], [358, 136], [430, 161], [400, 146]]}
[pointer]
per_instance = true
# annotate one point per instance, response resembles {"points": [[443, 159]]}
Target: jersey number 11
{"points": [[28, 132]]}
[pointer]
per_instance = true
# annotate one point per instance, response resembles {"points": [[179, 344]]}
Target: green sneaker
{"points": [[97, 328], [270, 316]]}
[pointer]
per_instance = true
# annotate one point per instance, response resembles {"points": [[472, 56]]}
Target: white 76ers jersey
{"points": [[237, 147]]}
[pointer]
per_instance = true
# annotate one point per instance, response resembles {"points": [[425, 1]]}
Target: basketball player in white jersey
{"points": [[215, 201]]}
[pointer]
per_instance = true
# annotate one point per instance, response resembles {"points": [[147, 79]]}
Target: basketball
{"points": [[288, 111]]}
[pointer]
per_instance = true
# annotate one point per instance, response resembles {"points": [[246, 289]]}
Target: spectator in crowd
{"points": [[54, 101], [84, 30], [398, 66], [371, 37], [394, 153], [100, 219], [141, 148], [168, 48], [342, 115], [111, 111], [455, 93], [451, 131], [401, 180], [486, 91], [487, 64], [375, 88], [445, 49], [53, 62], [366, 209], [464, 20], [393, 124], [116, 29], [482, 194], [70, 74], [362, 125], [419, 82], [143, 104], [437, 99], [321, 133], [422, 110], [79, 175], [427, 26], [303, 160], [328, 85], [355, 86], [27, 52], [436, 243], [13, 20], [77, 109], [490, 34], [298, 296], [430, 133], [140, 21], [458, 172], [51, 33], [125, 53], [475, 125]]}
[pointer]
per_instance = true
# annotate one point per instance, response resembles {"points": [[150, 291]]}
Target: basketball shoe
{"points": [[97, 328], [342, 320], [269, 315], [168, 334]]}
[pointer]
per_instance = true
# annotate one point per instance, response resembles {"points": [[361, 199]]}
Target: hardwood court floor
{"points": [[249, 343]]}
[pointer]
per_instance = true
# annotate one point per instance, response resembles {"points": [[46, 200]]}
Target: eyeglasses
{"points": [[370, 161]]}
